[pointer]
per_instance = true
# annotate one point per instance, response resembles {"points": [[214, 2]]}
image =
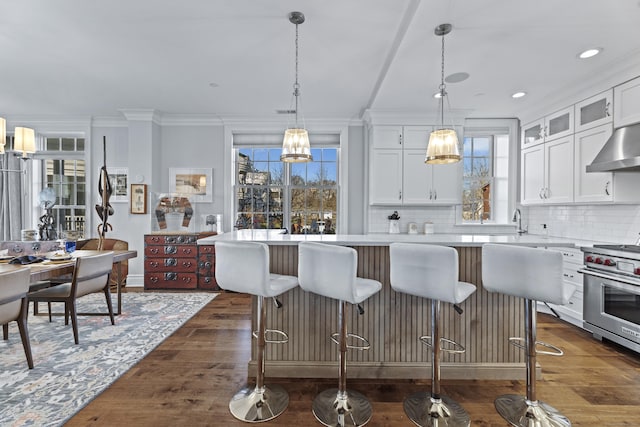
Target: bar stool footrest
{"points": [[284, 340], [366, 346], [520, 412], [455, 348], [515, 341]]}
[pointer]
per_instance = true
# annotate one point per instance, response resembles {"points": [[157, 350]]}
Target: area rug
{"points": [[67, 376]]}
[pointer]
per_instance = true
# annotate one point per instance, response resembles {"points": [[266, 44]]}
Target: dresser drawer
{"points": [[170, 250], [207, 282], [185, 265], [170, 280], [161, 239], [206, 249]]}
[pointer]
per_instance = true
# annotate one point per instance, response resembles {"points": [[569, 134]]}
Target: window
{"points": [[63, 169], [302, 197], [488, 165]]}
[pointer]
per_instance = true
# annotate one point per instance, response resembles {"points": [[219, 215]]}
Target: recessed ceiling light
{"points": [[589, 53], [518, 94]]}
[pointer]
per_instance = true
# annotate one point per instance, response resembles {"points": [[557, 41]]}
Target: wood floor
{"points": [[189, 378]]}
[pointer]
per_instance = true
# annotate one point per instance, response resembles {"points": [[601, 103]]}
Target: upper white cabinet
{"points": [[548, 128], [592, 186], [398, 174], [547, 172], [626, 102], [594, 111]]}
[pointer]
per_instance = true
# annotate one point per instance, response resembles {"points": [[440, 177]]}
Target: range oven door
{"points": [[612, 305]]}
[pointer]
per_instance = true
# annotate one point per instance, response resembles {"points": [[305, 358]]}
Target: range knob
{"points": [[589, 258], [599, 261], [609, 262], [637, 271]]}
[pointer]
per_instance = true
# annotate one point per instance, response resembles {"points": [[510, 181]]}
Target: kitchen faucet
{"points": [[517, 217]]}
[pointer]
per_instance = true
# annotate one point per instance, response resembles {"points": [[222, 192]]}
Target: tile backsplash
{"points": [[608, 223]]}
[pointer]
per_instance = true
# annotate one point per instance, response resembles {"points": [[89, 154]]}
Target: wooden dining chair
{"points": [[14, 286], [91, 274]]}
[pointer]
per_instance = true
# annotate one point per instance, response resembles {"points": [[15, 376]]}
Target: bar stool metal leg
{"points": [[262, 403], [433, 409], [521, 411], [341, 407]]}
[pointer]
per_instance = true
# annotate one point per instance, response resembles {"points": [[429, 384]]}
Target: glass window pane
{"points": [[274, 154], [467, 147], [329, 176], [261, 154], [313, 173], [68, 144], [481, 146], [80, 144], [298, 174], [53, 144], [329, 154], [316, 153], [81, 194], [243, 198]]}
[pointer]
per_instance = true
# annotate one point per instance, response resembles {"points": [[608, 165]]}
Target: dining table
{"points": [[51, 268]]}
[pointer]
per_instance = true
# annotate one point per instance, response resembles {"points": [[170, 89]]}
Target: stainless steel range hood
{"points": [[620, 153]]}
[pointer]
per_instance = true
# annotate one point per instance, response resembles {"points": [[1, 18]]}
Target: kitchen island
{"points": [[392, 321]]}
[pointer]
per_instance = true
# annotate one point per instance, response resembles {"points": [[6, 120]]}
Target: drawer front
{"points": [[170, 264], [206, 263], [170, 250], [207, 282], [179, 239], [170, 280], [206, 249], [571, 275]]}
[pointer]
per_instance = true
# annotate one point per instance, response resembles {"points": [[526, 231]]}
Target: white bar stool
{"points": [[536, 275], [330, 271], [431, 271], [244, 267]]}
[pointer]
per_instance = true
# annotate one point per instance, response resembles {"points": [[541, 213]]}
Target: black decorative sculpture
{"points": [[104, 188]]}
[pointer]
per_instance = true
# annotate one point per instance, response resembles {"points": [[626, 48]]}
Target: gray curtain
{"points": [[10, 197]]}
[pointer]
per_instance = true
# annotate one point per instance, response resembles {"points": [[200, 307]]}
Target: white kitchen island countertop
{"points": [[275, 237]]}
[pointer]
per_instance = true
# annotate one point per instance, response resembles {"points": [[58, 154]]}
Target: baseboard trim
{"points": [[135, 280]]}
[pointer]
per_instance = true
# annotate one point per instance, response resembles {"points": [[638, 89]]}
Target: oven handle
{"points": [[622, 282]]}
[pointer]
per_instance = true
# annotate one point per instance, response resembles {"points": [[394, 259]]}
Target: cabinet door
{"points": [[592, 186], [594, 111], [387, 137], [532, 134], [558, 124], [626, 100], [447, 184], [532, 177], [417, 185], [385, 177], [416, 137], [559, 170]]}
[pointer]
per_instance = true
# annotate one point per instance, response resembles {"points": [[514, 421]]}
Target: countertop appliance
{"points": [[612, 293]]}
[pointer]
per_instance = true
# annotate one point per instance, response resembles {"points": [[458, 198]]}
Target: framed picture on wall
{"points": [[119, 177], [195, 183], [138, 198]]}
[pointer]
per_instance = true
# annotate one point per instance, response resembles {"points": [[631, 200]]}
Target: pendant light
{"points": [[443, 142], [295, 146], [3, 134], [24, 140]]}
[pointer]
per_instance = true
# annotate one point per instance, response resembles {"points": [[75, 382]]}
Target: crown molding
{"points": [[142, 115]]}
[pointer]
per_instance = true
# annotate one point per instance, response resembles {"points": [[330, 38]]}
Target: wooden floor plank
{"points": [[190, 377]]}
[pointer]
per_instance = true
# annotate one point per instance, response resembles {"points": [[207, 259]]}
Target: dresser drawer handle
{"points": [[154, 279], [168, 250], [154, 264], [170, 262], [186, 279], [186, 263], [170, 276], [186, 250], [155, 239], [154, 250], [207, 280]]}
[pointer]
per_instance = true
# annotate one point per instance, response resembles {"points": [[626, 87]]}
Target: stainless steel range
{"points": [[612, 293]]}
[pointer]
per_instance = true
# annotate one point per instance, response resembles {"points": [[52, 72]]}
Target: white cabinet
{"points": [[591, 186], [571, 263], [547, 172], [594, 111], [385, 177], [626, 103], [398, 174], [548, 128]]}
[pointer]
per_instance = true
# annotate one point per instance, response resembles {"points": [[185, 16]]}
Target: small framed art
{"points": [[138, 198]]}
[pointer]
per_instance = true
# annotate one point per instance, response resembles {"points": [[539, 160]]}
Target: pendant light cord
{"points": [[443, 91], [296, 85]]}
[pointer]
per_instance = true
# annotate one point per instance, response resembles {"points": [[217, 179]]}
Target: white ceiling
{"points": [[79, 57]]}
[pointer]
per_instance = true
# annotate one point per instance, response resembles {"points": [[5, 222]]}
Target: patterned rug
{"points": [[67, 376]]}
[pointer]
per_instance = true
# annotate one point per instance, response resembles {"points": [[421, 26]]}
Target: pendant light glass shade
{"points": [[3, 134], [443, 142], [295, 145], [24, 140], [443, 147]]}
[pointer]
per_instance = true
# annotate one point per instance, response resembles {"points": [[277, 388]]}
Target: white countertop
{"points": [[275, 237]]}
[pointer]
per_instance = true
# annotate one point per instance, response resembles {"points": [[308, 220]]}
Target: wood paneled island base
{"points": [[393, 322]]}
